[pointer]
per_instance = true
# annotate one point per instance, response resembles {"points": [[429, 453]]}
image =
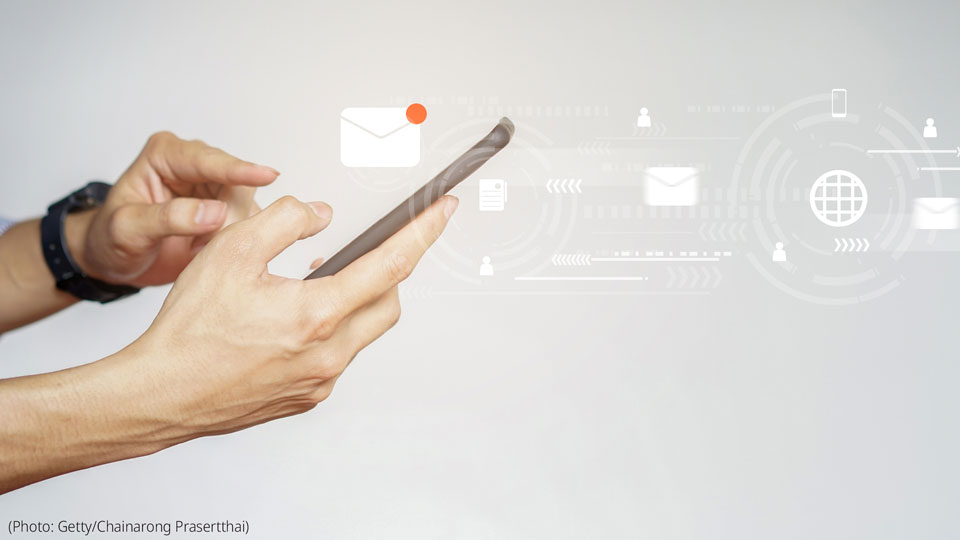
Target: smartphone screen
{"points": [[839, 99]]}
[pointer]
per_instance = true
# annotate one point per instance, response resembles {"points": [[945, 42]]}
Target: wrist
{"points": [[81, 280], [68, 420], [147, 391]]}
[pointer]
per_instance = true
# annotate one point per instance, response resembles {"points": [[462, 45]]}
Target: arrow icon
{"points": [[846, 245], [564, 185], [571, 259]]}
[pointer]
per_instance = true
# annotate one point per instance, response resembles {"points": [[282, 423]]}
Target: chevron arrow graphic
{"points": [[706, 277], [564, 185], [571, 259], [851, 245], [695, 278], [683, 278]]}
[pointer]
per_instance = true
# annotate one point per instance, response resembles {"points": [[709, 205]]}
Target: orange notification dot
{"points": [[416, 113]]}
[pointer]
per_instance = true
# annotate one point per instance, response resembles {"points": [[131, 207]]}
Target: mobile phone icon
{"points": [[839, 103]]}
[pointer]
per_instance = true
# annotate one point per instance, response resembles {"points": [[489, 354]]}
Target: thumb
{"points": [[138, 224]]}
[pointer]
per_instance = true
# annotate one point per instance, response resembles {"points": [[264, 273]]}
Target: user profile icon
{"points": [[486, 267], [779, 254], [644, 121]]}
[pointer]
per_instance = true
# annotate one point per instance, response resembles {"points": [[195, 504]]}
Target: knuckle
{"points": [[288, 203], [292, 211], [324, 328], [165, 215], [398, 267], [287, 345], [321, 324], [394, 311], [321, 393], [160, 139], [309, 403], [329, 367]]}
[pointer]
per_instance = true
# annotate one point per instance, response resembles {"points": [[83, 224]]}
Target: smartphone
{"points": [[838, 98], [447, 179]]}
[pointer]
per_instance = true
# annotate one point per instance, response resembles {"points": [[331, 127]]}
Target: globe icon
{"points": [[838, 198]]}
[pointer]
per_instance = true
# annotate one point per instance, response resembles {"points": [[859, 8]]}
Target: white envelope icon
{"points": [[671, 186], [378, 137], [936, 213]]}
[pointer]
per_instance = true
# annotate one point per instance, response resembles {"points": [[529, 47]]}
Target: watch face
{"points": [[91, 195], [87, 202]]}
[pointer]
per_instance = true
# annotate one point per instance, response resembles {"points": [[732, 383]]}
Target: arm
{"points": [[27, 289], [77, 418], [232, 347], [158, 215]]}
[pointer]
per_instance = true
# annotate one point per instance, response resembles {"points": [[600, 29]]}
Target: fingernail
{"points": [[322, 209], [270, 169], [209, 212], [450, 206]]}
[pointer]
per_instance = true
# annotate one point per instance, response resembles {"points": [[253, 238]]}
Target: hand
{"points": [[163, 209], [234, 346]]}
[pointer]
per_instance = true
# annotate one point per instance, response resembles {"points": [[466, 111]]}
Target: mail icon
{"points": [[936, 213], [378, 137], [671, 186]]}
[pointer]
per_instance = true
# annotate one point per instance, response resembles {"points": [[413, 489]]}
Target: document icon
{"points": [[379, 137], [493, 195], [936, 213], [671, 186]]}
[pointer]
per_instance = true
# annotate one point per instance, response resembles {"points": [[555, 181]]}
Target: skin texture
{"points": [[233, 346], [161, 211]]}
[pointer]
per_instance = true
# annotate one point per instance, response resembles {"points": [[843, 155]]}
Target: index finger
{"points": [[196, 162], [367, 278]]}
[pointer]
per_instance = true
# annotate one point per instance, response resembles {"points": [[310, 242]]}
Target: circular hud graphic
{"points": [[809, 175], [507, 220]]}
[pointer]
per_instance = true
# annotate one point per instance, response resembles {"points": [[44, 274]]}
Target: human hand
{"points": [[162, 211], [234, 346]]}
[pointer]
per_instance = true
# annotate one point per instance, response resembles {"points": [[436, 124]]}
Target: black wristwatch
{"points": [[65, 270]]}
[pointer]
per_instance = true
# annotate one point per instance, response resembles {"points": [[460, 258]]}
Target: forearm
{"points": [[27, 288], [77, 418]]}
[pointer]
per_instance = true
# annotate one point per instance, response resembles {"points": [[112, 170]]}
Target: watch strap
{"points": [[65, 271]]}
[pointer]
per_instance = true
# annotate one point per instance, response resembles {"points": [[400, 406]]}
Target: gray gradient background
{"points": [[742, 414]]}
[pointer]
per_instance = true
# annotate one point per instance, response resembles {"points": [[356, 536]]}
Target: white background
{"points": [[748, 415]]}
